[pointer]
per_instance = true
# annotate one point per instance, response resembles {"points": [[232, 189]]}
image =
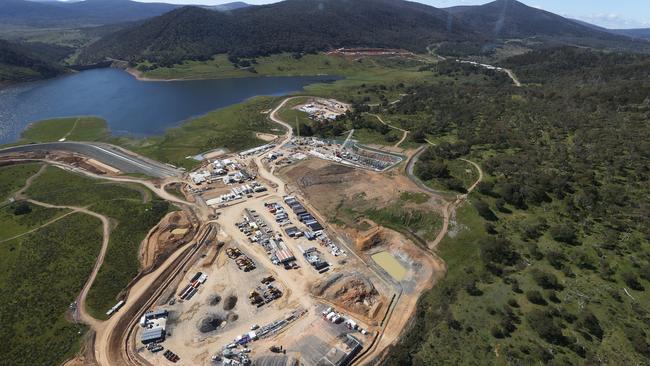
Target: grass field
{"points": [[73, 128], [121, 265], [464, 172], [407, 214], [232, 128], [14, 224], [132, 217], [372, 137], [291, 115], [361, 75], [13, 177], [40, 275], [58, 187]]}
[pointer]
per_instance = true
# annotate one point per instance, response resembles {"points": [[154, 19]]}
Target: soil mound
{"points": [[214, 300], [351, 290], [230, 302], [211, 323], [370, 239]]}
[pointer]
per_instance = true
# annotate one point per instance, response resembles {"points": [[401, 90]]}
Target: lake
{"points": [[132, 107]]}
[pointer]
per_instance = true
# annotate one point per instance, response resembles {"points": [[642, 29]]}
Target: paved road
{"points": [[107, 154]]}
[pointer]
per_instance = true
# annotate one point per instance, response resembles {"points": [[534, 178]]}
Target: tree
{"points": [[545, 280], [564, 233], [535, 297], [545, 326], [419, 136], [589, 322], [22, 209], [485, 211], [498, 250], [632, 281]]}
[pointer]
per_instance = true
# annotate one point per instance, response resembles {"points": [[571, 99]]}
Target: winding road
{"points": [[405, 132], [80, 310]]}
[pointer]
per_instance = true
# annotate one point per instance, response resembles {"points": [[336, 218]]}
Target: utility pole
{"points": [[297, 128]]}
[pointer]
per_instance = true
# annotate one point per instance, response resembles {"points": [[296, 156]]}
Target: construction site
{"points": [[319, 109], [274, 283], [261, 265]]}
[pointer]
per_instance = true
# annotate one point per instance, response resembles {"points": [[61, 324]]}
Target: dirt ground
{"points": [[268, 137], [326, 184], [174, 230]]}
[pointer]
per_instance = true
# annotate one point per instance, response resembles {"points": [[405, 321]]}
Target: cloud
{"points": [[612, 20]]}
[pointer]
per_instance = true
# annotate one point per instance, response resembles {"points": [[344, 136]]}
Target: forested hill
{"points": [[78, 13], [20, 64], [512, 19], [551, 262], [288, 26]]}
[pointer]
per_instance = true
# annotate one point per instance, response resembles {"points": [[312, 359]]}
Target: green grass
{"points": [[13, 177], [458, 169], [17, 73], [40, 275], [58, 187], [175, 189], [413, 197], [406, 214], [423, 223], [14, 225], [121, 265], [371, 137], [360, 75], [232, 128], [291, 115], [73, 128], [131, 217]]}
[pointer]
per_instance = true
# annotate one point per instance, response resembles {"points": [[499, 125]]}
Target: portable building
{"points": [[153, 335]]}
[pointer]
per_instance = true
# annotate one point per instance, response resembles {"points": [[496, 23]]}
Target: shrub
{"points": [[632, 281], [564, 234], [472, 289], [545, 280], [22, 209], [535, 297], [637, 337], [485, 211], [498, 250], [545, 326], [588, 321], [556, 259]]}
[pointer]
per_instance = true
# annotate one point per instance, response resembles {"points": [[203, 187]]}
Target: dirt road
{"points": [[450, 206], [405, 132], [80, 313]]}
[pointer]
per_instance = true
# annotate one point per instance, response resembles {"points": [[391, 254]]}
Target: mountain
{"points": [[18, 63], [81, 13], [229, 6], [288, 26], [642, 33], [511, 19]]}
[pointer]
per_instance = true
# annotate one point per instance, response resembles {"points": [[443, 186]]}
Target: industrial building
{"points": [[154, 324]]}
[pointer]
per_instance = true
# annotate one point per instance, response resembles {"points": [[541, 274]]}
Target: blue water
{"points": [[130, 106]]}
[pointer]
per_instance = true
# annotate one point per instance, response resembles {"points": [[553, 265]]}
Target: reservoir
{"points": [[132, 107]]}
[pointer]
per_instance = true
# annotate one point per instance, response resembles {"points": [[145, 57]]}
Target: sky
{"points": [[605, 13]]}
